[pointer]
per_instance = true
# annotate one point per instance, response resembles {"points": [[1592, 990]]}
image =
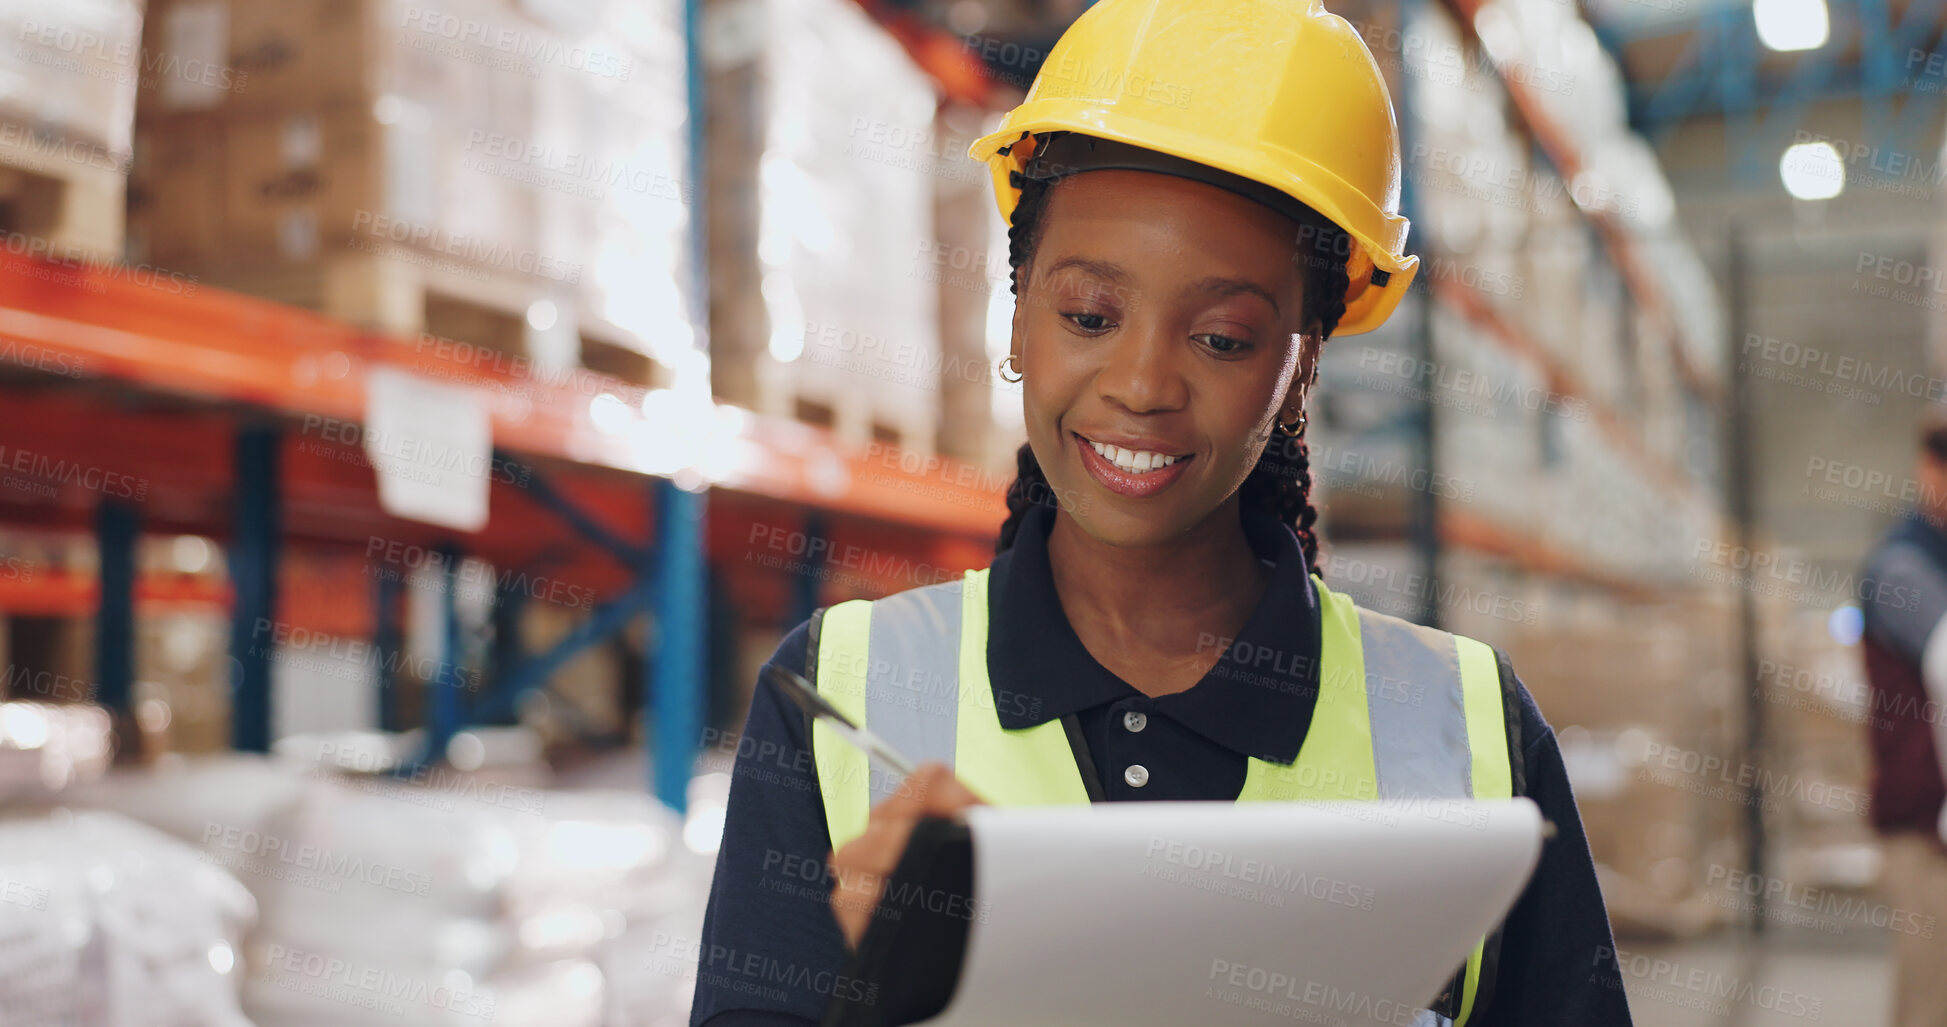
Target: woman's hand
{"points": [[861, 867]]}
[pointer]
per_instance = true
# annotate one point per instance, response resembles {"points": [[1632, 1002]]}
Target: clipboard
{"points": [[1374, 906]]}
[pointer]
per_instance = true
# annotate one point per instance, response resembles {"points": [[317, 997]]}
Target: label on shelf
{"points": [[432, 445]]}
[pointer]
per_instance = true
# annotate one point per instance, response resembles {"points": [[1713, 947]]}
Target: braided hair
{"points": [[1281, 481]]}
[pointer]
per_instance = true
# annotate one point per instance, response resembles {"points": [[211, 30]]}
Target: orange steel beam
{"points": [[172, 336], [1561, 380], [1464, 529], [45, 592]]}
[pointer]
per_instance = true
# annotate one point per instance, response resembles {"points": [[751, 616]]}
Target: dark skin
{"points": [[1184, 325]]}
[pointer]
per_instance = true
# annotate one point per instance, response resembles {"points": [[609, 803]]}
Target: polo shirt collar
{"points": [[1258, 698]]}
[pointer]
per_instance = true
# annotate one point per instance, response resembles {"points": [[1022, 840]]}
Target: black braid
{"points": [[1281, 482]]}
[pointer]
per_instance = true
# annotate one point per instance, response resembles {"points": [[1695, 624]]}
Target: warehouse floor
{"points": [[1792, 980]]}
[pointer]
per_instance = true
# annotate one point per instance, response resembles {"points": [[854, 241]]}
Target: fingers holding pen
{"points": [[861, 866]]}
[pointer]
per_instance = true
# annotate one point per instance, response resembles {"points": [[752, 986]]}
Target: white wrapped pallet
{"points": [[852, 272], [107, 922], [455, 900]]}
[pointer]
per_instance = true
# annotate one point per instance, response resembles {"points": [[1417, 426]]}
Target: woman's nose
{"points": [[1141, 371]]}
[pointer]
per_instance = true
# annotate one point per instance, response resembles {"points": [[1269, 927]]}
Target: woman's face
{"points": [[1161, 316]]}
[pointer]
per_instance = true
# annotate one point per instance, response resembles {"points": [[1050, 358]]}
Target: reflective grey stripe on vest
{"points": [[1413, 693], [912, 675], [1418, 715]]}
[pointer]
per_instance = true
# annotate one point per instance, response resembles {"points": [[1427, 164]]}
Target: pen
{"points": [[801, 692]]}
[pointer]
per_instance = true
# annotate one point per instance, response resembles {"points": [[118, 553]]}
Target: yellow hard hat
{"points": [[1277, 92]]}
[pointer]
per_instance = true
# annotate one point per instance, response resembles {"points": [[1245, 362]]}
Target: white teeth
{"points": [[1132, 460]]}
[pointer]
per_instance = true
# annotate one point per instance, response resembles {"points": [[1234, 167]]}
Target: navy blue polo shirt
{"points": [[771, 951]]}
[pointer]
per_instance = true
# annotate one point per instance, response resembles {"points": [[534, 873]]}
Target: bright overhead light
{"points": [[1792, 24], [1812, 171]]}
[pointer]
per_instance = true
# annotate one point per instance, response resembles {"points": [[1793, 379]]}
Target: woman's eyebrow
{"points": [[1233, 286], [1214, 283], [1098, 268]]}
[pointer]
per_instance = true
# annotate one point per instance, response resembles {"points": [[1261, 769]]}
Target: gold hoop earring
{"points": [[1295, 429], [1007, 362]]}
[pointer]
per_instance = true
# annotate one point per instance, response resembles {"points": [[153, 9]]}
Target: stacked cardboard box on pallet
{"points": [[852, 273], [1643, 701], [511, 174], [67, 96]]}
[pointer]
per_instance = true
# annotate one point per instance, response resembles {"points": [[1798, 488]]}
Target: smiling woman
{"points": [[1246, 335], [1152, 626]]}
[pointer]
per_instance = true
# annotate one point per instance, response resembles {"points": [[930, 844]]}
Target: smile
{"points": [[1128, 471]]}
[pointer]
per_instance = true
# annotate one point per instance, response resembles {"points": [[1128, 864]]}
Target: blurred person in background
{"points": [[1903, 595], [1180, 254]]}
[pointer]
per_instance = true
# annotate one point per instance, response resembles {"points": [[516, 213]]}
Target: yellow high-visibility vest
{"points": [[888, 663]]}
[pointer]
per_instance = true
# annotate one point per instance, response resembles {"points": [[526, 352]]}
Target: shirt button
{"points": [[1135, 721], [1137, 775]]}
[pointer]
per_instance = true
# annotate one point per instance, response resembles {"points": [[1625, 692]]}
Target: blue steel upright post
{"points": [[673, 694], [254, 534], [676, 670], [445, 712], [116, 528]]}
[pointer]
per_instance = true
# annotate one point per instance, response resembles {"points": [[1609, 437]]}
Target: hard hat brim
{"points": [[1380, 236]]}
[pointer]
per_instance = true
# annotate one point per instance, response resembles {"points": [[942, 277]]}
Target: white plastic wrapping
{"points": [[71, 68], [454, 901], [109, 923]]}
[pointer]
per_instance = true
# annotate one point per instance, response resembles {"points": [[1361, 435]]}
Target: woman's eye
{"points": [[1089, 322], [1222, 343]]}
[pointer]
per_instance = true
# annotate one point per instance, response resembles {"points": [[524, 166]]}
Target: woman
{"points": [[1200, 193]]}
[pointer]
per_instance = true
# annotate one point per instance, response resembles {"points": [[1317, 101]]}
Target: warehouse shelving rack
{"points": [[201, 399]]}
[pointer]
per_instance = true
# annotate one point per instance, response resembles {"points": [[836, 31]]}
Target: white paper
{"points": [[432, 445], [194, 35], [1225, 913]]}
